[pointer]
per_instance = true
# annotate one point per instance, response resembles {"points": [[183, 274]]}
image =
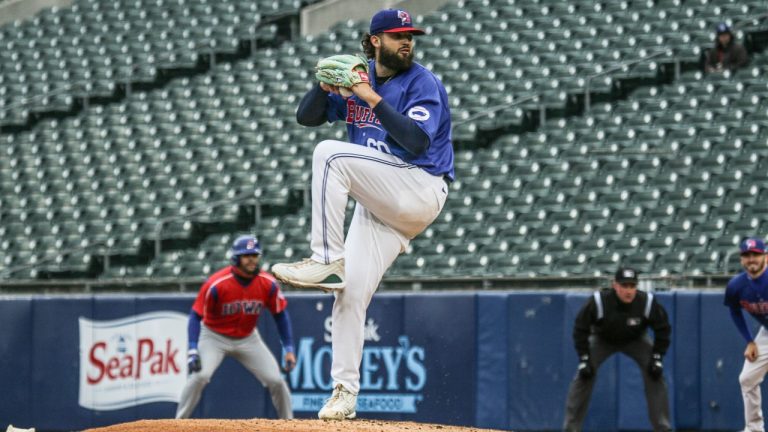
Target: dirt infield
{"points": [[220, 425]]}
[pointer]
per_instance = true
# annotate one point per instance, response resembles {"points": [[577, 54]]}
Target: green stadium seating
{"points": [[639, 180]]}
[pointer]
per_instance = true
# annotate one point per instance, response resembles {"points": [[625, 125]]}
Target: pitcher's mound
{"points": [[263, 425]]}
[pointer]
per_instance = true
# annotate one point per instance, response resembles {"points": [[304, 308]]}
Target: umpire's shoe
{"points": [[312, 274], [340, 406]]}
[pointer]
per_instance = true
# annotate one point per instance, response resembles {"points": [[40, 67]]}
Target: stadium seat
{"points": [[667, 165]]}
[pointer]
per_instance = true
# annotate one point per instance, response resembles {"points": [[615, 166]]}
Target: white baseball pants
{"points": [[751, 377], [252, 353], [395, 202]]}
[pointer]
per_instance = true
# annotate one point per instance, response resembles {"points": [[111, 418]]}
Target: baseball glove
{"points": [[343, 70]]}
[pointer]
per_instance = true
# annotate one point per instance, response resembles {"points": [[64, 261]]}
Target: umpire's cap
{"points": [[626, 275], [393, 21], [752, 245]]}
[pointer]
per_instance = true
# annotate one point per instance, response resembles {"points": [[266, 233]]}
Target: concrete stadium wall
{"points": [[318, 18], [12, 10], [496, 360]]}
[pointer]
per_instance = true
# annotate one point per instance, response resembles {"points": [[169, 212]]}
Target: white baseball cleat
{"points": [[340, 406], [309, 273]]}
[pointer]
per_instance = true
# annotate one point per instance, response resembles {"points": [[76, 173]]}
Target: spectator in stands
{"points": [[727, 54], [616, 321]]}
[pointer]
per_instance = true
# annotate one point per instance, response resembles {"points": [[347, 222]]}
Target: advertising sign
{"points": [[132, 361]]}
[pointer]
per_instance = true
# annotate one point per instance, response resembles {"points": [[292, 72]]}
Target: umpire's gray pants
{"points": [[252, 353], [580, 390]]}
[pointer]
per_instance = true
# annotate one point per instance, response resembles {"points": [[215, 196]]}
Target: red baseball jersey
{"points": [[231, 309]]}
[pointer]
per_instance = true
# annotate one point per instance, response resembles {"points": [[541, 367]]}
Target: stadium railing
{"points": [[13, 270], [622, 67], [244, 197]]}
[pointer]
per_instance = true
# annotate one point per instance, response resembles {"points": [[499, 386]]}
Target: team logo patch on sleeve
{"points": [[418, 113]]}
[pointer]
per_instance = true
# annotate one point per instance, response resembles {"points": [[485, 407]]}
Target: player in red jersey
{"points": [[228, 305]]}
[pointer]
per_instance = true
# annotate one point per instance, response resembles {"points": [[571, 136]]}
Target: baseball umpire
{"points": [[749, 291], [616, 320], [229, 304], [397, 165]]}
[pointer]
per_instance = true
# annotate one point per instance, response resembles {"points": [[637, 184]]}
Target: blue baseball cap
{"points": [[752, 244], [722, 28], [393, 21]]}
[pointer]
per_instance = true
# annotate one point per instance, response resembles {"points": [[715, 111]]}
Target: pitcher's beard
{"points": [[394, 61]]}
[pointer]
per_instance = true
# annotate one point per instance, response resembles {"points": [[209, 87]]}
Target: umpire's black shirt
{"points": [[618, 323]]}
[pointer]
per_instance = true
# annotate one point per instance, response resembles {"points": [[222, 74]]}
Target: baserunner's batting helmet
{"points": [[244, 245]]}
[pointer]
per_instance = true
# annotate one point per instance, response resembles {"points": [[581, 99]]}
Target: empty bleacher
{"points": [[667, 176]]}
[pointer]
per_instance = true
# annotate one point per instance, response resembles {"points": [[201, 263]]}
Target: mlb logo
{"points": [[251, 244], [404, 16], [629, 274], [751, 244]]}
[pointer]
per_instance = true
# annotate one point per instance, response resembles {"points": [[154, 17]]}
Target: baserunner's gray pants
{"points": [[252, 353]]}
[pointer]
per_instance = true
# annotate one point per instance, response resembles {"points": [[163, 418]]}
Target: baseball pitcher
{"points": [[228, 305], [397, 166]]}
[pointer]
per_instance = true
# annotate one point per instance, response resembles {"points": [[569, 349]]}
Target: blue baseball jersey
{"points": [[416, 93], [749, 294]]}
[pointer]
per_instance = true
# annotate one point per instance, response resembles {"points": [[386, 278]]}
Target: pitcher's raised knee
{"points": [[325, 149]]}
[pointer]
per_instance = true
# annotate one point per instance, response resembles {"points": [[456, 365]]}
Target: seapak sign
{"points": [[132, 361]]}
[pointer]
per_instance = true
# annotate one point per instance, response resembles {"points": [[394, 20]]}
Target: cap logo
{"points": [[629, 274], [404, 16], [250, 244], [751, 244]]}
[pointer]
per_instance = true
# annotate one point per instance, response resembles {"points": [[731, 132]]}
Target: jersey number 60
{"points": [[378, 145]]}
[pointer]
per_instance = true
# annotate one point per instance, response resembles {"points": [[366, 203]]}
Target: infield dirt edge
{"points": [[297, 425]]}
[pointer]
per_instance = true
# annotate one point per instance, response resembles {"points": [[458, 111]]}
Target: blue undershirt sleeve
{"points": [[193, 329], [312, 108], [402, 129], [284, 327], [741, 323]]}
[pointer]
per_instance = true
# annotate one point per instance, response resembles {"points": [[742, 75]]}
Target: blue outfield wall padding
{"points": [[632, 407], [55, 359], [16, 350], [501, 360], [536, 378], [686, 341], [442, 332], [492, 365]]}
